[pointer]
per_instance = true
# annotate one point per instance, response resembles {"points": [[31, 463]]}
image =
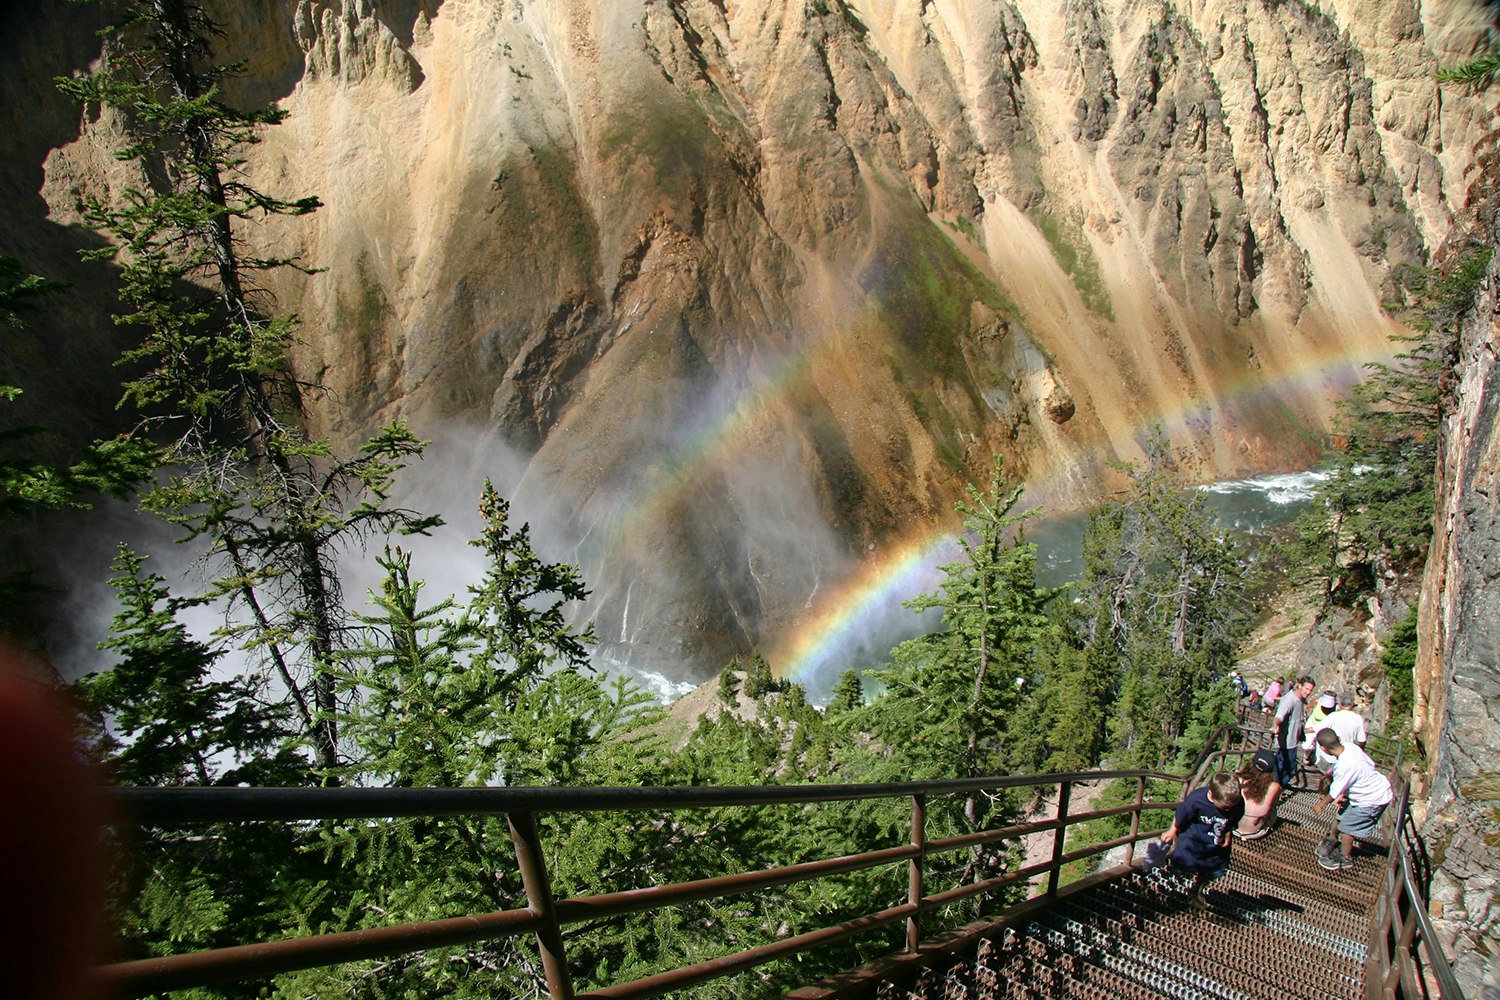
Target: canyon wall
{"points": [[735, 296], [1458, 671]]}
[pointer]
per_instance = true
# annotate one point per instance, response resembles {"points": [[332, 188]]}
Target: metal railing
{"points": [[1406, 958], [544, 915]]}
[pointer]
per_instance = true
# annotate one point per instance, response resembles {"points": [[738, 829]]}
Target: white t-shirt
{"points": [[1354, 773], [1349, 727]]}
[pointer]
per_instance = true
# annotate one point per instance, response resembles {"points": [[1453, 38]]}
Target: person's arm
{"points": [[1335, 791], [1180, 819]]}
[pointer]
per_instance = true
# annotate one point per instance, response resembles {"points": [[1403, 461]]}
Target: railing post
{"points": [[533, 866], [915, 870], [1135, 819], [1064, 792]]}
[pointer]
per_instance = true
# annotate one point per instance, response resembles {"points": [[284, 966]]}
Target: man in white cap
{"points": [[1320, 710], [1349, 726]]}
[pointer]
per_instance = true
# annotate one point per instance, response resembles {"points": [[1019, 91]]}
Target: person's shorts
{"points": [[1360, 821]]}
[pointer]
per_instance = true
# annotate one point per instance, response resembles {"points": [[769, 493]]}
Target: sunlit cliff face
{"points": [[744, 292]]}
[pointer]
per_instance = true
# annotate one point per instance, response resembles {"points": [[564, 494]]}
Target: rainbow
{"points": [[863, 606], [871, 594], [728, 422], [874, 590]]}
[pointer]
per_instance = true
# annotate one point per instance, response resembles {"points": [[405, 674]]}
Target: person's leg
{"points": [[1195, 897], [1358, 823], [1286, 765]]}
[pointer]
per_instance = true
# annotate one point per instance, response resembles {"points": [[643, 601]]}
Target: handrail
{"points": [[166, 806], [544, 915], [1401, 931], [1400, 928]]}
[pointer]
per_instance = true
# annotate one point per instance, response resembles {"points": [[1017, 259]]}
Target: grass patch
{"points": [[1077, 260], [667, 149], [964, 225], [362, 313], [924, 288]]}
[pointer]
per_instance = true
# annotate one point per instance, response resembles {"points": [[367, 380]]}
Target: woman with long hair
{"points": [[1262, 793]]}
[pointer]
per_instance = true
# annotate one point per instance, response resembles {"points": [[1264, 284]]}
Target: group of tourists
{"points": [[1242, 805]]}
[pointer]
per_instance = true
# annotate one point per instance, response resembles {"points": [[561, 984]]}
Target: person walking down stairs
{"points": [[1362, 793], [1349, 726], [1200, 831]]}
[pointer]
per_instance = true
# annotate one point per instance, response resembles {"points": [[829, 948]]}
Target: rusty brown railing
{"points": [[544, 916], [1406, 958], [1405, 961]]}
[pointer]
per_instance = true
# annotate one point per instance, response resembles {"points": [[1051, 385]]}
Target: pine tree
{"points": [[492, 691], [168, 713], [848, 694], [1062, 724], [729, 684], [759, 681], [957, 686], [212, 377], [1163, 593], [1374, 512], [518, 611], [948, 700], [162, 713]]}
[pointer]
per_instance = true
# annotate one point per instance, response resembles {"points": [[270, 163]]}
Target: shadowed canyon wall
{"points": [[746, 291]]}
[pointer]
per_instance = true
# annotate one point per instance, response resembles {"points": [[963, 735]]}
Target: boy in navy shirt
{"points": [[1200, 832]]}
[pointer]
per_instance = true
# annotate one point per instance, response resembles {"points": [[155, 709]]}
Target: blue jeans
{"points": [[1286, 765]]}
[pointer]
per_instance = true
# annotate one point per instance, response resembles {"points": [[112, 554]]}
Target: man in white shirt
{"points": [[1362, 793], [1349, 726]]}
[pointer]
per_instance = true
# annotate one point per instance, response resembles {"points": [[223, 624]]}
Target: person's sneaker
{"points": [[1336, 862], [1327, 847]]}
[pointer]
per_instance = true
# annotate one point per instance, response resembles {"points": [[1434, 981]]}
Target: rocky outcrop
{"points": [[749, 290], [1458, 672]]}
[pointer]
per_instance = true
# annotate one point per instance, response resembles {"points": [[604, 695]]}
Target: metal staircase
{"points": [[1277, 926]]}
